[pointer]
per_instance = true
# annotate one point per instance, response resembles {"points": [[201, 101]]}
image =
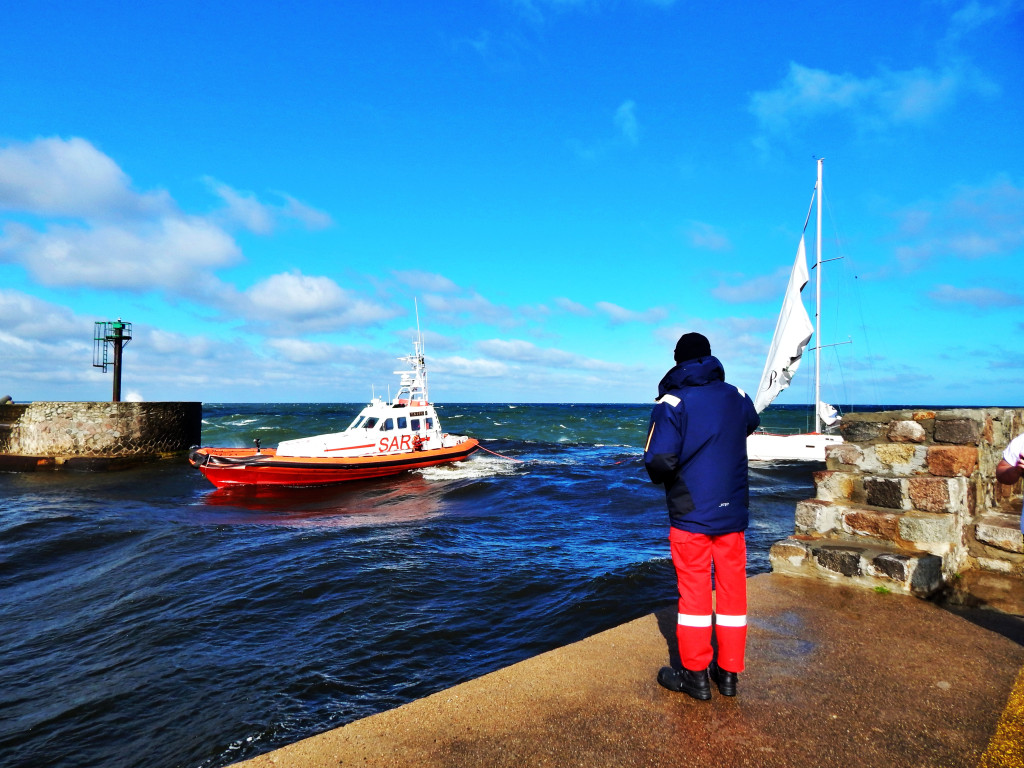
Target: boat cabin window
{"points": [[430, 423], [371, 422], [355, 424], [415, 425], [403, 423], [387, 425]]}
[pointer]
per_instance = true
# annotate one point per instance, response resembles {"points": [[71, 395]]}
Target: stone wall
{"points": [[107, 430], [10, 414], [909, 503]]}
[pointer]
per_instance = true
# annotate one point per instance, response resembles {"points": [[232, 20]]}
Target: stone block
{"points": [[861, 431], [815, 517], [927, 577], [846, 454], [924, 415], [952, 460], [896, 567], [958, 431], [1000, 531], [906, 432], [841, 560], [924, 529], [873, 523], [789, 553], [930, 494], [834, 486], [995, 564], [918, 573], [884, 492], [899, 458]]}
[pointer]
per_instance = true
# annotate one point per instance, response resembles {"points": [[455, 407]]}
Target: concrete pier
{"points": [[836, 676]]}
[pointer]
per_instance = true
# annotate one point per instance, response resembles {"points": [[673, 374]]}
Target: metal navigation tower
{"points": [[111, 333]]}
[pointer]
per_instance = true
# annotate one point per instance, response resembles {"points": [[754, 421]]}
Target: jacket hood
{"points": [[692, 373]]}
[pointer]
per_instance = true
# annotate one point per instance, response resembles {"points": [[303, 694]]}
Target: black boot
{"points": [[726, 681], [683, 680]]}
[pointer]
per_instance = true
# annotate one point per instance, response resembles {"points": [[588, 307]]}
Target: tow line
{"points": [[501, 456]]}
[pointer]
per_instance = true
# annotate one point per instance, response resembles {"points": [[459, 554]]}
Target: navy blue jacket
{"points": [[697, 447]]}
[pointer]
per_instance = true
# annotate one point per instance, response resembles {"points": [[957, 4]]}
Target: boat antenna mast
{"points": [[421, 363], [413, 384]]}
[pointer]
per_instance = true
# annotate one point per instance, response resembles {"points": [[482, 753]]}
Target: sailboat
{"points": [[793, 331]]}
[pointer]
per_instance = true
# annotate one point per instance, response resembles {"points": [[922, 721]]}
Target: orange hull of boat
{"points": [[228, 467]]}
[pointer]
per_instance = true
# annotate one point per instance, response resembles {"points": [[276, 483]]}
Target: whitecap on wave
{"points": [[471, 469]]}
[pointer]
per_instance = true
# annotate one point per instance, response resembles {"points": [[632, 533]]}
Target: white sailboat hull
{"points": [[763, 446]]}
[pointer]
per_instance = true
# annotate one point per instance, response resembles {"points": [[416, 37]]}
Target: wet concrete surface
{"points": [[836, 676]]}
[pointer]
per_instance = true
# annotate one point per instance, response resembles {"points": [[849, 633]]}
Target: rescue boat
{"points": [[384, 439]]}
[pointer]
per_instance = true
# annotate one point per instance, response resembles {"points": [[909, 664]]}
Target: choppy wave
{"points": [[149, 619]]}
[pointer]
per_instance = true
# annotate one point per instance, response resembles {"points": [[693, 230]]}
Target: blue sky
{"points": [[564, 186]]}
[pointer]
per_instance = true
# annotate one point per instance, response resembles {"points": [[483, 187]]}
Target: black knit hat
{"points": [[692, 345]]}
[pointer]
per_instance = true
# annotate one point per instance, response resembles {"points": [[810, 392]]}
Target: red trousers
{"points": [[693, 555]]}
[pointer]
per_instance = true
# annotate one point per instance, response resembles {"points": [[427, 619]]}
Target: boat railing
{"points": [[778, 431], [783, 431]]}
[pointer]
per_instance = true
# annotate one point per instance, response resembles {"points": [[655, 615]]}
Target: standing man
{"points": [[697, 447], [1011, 466]]}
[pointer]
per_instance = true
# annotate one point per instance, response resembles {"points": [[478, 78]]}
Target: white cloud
{"points": [[886, 99], [27, 317], [461, 366], [57, 177], [517, 350], [291, 302], [975, 15], [292, 294], [572, 307], [175, 254], [170, 344], [243, 209], [972, 223], [307, 215], [120, 239], [625, 121], [425, 281], [532, 9], [617, 314], [627, 126], [764, 288], [303, 352], [982, 298], [472, 307], [707, 237], [246, 210]]}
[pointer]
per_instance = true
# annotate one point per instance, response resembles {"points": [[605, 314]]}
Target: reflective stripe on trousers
{"points": [[693, 555]]}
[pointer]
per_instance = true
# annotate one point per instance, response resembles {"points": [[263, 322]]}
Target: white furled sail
{"points": [[792, 332], [828, 413]]}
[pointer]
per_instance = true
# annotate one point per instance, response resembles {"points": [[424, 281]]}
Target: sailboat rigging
{"points": [[793, 331]]}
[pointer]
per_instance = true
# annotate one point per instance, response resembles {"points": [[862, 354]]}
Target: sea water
{"points": [[147, 619]]}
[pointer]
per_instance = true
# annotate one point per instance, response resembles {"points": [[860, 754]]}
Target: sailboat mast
{"points": [[817, 309]]}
